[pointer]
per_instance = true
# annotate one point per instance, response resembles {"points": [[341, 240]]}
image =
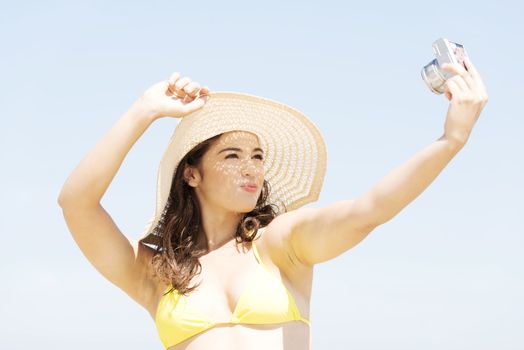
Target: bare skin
{"points": [[217, 185], [126, 263], [220, 290], [289, 246]]}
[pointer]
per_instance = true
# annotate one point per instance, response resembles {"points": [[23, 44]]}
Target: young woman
{"points": [[227, 260]]}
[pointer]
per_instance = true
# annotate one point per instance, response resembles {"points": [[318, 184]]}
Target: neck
{"points": [[217, 229]]}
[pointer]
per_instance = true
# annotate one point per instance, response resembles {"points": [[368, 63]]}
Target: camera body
{"points": [[445, 52]]}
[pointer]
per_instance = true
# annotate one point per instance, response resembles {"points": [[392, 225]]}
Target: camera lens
{"points": [[433, 77]]}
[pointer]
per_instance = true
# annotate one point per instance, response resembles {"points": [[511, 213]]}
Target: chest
{"points": [[231, 289], [244, 275]]}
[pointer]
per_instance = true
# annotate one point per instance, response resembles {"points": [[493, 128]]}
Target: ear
{"points": [[192, 176]]}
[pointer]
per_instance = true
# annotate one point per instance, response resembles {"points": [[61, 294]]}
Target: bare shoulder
{"points": [[276, 249], [276, 240]]}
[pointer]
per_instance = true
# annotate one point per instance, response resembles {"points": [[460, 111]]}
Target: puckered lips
{"points": [[249, 186]]}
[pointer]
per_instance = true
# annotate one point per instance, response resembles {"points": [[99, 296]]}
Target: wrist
{"points": [[141, 110], [454, 142]]}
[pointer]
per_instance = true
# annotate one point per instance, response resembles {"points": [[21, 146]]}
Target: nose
{"points": [[250, 168]]}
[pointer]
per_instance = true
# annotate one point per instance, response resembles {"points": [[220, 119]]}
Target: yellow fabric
{"points": [[265, 301]]}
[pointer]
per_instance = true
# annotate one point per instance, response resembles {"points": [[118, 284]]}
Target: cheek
{"points": [[230, 176], [227, 178]]}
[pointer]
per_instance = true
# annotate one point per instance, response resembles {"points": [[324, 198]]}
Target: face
{"points": [[235, 159]]}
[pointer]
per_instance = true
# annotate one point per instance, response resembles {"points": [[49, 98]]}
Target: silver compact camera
{"points": [[445, 52]]}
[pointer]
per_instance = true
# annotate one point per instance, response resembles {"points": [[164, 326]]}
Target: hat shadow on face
{"points": [[295, 164], [295, 159], [175, 235]]}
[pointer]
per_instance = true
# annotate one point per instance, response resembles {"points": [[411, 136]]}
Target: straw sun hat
{"points": [[294, 150]]}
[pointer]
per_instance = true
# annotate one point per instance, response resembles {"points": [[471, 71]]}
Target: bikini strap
{"points": [[305, 320], [255, 250], [257, 255]]}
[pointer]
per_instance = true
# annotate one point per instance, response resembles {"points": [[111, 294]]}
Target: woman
{"points": [[236, 174]]}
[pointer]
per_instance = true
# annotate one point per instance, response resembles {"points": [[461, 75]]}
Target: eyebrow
{"points": [[239, 150]]}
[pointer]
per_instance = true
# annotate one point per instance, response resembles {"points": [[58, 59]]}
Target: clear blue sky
{"points": [[446, 273]]}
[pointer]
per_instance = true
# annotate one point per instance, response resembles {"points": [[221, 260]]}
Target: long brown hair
{"points": [[176, 257]]}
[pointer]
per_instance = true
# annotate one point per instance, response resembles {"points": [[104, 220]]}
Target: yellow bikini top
{"points": [[265, 301]]}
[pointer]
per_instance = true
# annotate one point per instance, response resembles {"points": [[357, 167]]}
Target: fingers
{"points": [[465, 86], [171, 81], [463, 78], [452, 89], [204, 91], [184, 88], [193, 105], [181, 83], [192, 89], [173, 78], [476, 77], [454, 68], [471, 68], [471, 77]]}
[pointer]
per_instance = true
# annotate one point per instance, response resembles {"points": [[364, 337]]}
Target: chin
{"points": [[244, 208]]}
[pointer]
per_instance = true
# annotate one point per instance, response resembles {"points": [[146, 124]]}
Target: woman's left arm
{"points": [[468, 97], [320, 234]]}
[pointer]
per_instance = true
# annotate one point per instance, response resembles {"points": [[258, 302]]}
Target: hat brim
{"points": [[294, 149]]}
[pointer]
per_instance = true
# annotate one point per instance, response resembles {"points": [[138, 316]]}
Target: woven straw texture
{"points": [[294, 150]]}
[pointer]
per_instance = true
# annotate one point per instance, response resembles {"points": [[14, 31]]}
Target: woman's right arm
{"points": [[118, 258]]}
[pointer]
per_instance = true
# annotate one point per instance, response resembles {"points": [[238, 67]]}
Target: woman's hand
{"points": [[468, 97], [175, 97]]}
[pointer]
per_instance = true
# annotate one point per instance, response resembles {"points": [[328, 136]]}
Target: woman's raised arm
{"points": [[89, 181], [120, 259], [321, 234]]}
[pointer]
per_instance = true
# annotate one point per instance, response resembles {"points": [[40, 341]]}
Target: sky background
{"points": [[445, 273]]}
